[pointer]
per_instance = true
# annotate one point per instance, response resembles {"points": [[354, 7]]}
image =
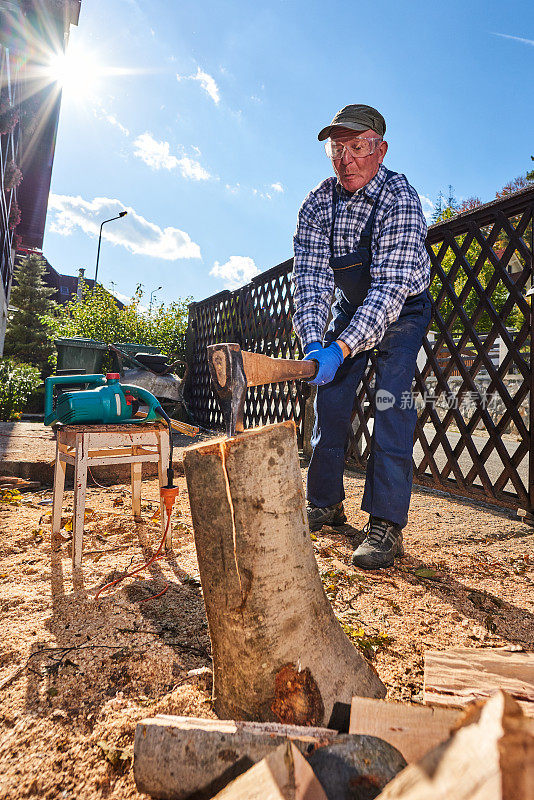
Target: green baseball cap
{"points": [[357, 118]]}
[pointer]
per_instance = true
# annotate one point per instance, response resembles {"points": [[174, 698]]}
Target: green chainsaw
{"points": [[110, 403]]}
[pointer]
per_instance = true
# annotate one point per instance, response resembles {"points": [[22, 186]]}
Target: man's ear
{"points": [[382, 148]]}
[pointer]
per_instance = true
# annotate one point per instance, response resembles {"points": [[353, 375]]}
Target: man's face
{"points": [[353, 173]]}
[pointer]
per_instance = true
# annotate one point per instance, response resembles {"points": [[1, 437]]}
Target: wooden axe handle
{"points": [[260, 369], [176, 425]]}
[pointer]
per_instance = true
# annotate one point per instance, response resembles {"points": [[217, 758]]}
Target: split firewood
{"points": [[175, 757], [279, 653], [414, 730], [491, 757], [456, 677], [283, 775]]}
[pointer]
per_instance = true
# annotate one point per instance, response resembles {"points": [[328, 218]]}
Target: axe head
{"points": [[227, 373]]}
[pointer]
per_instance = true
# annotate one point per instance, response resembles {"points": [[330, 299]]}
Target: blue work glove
{"points": [[329, 358], [312, 346]]}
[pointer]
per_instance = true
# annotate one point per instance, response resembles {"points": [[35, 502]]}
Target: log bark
{"points": [[279, 652], [175, 757], [355, 767], [490, 758], [282, 775], [414, 730], [457, 677]]}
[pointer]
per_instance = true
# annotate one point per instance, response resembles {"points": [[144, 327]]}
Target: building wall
{"points": [[29, 29], [9, 152]]}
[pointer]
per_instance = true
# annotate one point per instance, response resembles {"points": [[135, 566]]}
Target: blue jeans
{"points": [[388, 480]]}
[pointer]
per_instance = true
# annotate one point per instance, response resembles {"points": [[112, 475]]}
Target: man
{"points": [[361, 236]]}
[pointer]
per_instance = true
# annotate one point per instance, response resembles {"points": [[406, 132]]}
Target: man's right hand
{"points": [[329, 359], [311, 348]]}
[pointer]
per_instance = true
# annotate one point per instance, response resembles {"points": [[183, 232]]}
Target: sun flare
{"points": [[76, 71]]}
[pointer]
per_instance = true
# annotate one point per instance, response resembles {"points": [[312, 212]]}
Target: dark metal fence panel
{"points": [[473, 382]]}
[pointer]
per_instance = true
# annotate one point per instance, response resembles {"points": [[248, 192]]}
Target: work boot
{"points": [[382, 543], [330, 515]]}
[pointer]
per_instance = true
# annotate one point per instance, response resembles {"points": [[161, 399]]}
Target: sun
{"points": [[76, 71]]}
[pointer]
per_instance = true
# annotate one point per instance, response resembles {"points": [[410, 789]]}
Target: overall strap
{"points": [[334, 207], [365, 236]]}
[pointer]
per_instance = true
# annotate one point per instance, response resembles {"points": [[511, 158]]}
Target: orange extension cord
{"points": [[168, 494]]}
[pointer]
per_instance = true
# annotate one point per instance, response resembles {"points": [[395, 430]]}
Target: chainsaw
{"points": [[110, 403]]}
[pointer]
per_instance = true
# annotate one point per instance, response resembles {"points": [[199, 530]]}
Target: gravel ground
{"points": [[92, 669]]}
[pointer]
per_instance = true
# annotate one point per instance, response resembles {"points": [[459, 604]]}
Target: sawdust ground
{"points": [[67, 720]]}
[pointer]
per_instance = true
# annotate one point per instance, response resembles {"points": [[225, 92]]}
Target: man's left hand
{"points": [[329, 359]]}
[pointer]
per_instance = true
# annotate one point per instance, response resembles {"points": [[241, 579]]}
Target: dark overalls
{"points": [[388, 480]]}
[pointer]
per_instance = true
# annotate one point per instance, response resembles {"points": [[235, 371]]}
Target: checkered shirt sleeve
{"points": [[400, 264]]}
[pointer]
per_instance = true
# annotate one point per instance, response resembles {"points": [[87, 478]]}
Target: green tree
{"points": [[98, 316], [27, 337]]}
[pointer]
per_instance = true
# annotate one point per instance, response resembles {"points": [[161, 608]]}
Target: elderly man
{"points": [[361, 237]]}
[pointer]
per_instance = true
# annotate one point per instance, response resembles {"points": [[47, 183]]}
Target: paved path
{"points": [[493, 464]]}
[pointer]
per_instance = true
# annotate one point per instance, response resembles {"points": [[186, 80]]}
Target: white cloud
{"points": [[115, 122], [428, 206], [277, 187], [209, 85], [124, 298], [133, 232], [515, 38], [127, 299], [101, 113], [192, 169], [236, 271], [158, 156], [206, 81]]}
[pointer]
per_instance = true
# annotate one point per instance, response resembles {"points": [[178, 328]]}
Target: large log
{"points": [[175, 757], [457, 677], [490, 758], [279, 652], [179, 757], [282, 775]]}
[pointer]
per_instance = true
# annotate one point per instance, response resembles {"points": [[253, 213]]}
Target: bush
{"points": [[98, 316], [17, 382]]}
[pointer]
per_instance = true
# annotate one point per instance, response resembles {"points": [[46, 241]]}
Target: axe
{"points": [[232, 370]]}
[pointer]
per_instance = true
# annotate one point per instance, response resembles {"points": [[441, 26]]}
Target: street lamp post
{"points": [[151, 296], [121, 214]]}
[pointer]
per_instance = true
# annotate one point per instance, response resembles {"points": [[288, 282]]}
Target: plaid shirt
{"points": [[400, 264]]}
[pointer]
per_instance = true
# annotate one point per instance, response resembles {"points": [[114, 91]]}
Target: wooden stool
{"points": [[86, 446]]}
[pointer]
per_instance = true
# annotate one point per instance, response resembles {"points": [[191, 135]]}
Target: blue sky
{"points": [[201, 120]]}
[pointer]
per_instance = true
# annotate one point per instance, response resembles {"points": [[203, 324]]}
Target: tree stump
{"points": [[279, 652]]}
